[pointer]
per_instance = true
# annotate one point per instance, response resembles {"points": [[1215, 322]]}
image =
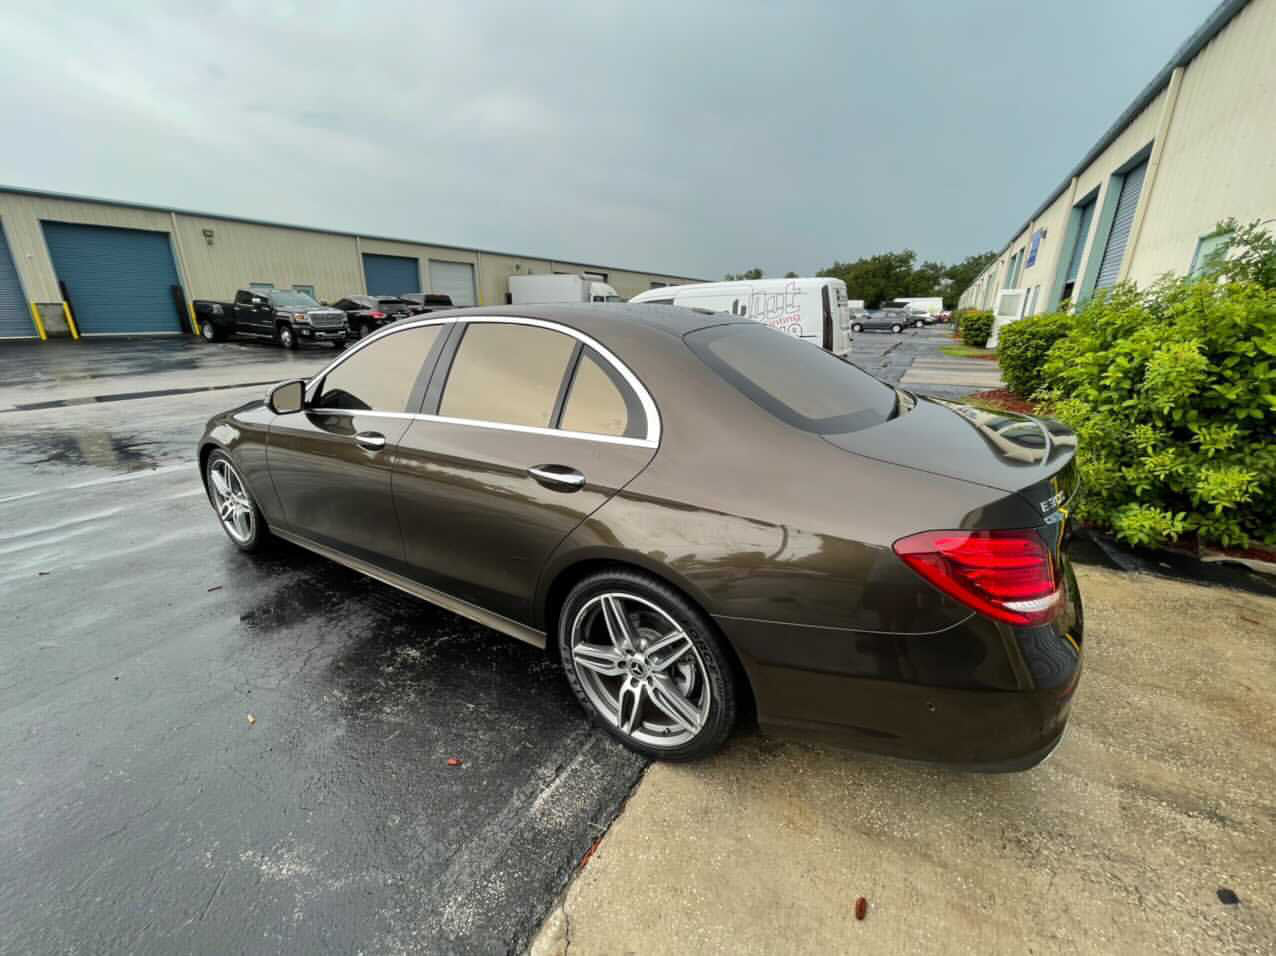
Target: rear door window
{"points": [[510, 374], [600, 402], [381, 376], [797, 382]]}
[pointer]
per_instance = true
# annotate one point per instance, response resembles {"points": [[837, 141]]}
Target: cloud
{"points": [[691, 138]]}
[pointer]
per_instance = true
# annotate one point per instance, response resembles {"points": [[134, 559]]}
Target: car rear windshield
{"points": [[797, 382]]}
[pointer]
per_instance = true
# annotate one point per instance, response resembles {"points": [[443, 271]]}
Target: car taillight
{"points": [[1007, 575], [376, 315]]}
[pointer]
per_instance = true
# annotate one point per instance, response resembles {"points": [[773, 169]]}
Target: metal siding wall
{"points": [[118, 280], [242, 253], [455, 279], [391, 275], [1127, 203], [1219, 157], [15, 313]]}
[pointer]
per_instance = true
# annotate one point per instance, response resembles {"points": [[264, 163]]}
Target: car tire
{"points": [[897, 328], [679, 704], [209, 332], [366, 329], [236, 509], [286, 336], [918, 324], [857, 327]]}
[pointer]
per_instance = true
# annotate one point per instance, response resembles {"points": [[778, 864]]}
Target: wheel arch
{"points": [[569, 575]]}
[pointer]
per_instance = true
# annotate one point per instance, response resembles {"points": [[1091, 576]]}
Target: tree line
{"points": [[891, 275]]}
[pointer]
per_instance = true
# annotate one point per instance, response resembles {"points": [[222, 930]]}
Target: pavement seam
{"points": [[129, 396]]}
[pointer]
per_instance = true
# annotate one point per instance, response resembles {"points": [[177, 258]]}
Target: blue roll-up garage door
{"points": [[1122, 221], [15, 319], [117, 280], [391, 275]]}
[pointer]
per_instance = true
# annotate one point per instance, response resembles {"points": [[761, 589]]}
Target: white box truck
{"points": [[542, 289]]}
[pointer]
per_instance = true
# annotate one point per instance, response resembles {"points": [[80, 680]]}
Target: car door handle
{"points": [[558, 477], [372, 441]]}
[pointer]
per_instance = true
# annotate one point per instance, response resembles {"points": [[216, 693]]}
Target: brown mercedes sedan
{"points": [[697, 515]]}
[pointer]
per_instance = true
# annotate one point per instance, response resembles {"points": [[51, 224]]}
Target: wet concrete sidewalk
{"points": [[60, 373], [1160, 798]]}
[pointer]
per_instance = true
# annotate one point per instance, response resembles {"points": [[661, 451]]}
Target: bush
{"points": [[1022, 349], [1171, 393], [975, 328]]}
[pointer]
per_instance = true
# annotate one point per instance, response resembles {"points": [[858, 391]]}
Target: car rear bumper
{"points": [[958, 707], [985, 730]]}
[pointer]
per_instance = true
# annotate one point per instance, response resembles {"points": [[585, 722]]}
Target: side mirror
{"points": [[286, 398]]}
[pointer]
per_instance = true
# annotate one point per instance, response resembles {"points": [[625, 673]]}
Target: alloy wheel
{"points": [[640, 669], [230, 499]]}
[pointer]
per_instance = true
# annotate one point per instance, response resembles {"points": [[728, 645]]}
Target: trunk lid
{"points": [[1028, 456]]}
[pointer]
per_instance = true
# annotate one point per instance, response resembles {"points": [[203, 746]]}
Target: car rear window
{"points": [[795, 381]]}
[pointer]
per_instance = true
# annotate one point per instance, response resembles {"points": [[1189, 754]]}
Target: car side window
{"points": [[379, 377], [243, 298], [510, 374], [600, 401]]}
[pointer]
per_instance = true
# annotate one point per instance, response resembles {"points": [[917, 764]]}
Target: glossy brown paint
{"points": [[460, 483], [333, 490], [783, 536]]}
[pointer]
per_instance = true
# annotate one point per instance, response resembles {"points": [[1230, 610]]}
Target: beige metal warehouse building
{"points": [[1197, 146], [76, 266]]}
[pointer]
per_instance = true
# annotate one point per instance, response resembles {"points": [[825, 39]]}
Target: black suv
{"points": [[367, 313]]}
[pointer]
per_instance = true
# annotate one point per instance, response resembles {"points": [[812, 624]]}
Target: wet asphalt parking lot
{"points": [[203, 751]]}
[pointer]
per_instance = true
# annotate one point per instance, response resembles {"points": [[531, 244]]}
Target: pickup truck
{"points": [[282, 315]]}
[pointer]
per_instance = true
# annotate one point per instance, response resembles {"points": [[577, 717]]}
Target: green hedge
{"points": [[1172, 393], [975, 327], [1022, 349]]}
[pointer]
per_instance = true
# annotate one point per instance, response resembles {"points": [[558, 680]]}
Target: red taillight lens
{"points": [[376, 315], [1007, 575]]}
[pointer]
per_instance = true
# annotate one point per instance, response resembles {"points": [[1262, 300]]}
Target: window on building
{"points": [[261, 286], [381, 376], [507, 373], [1210, 251], [1085, 214], [308, 289]]}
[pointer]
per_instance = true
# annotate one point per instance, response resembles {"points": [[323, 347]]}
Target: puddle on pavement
{"points": [[100, 449]]}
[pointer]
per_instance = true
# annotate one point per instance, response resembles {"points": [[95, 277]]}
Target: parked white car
{"points": [[816, 310]]}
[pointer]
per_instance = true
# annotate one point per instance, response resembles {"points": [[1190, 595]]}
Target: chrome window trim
{"points": [[652, 440], [501, 426]]}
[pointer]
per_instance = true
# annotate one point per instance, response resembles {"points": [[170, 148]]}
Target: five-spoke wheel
{"points": [[647, 664], [236, 510]]}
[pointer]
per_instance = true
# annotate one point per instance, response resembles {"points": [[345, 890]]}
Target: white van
{"points": [[813, 309]]}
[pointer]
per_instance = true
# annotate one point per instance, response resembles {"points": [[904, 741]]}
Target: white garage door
{"points": [[455, 279]]}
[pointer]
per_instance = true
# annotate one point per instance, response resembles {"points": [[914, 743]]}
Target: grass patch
{"points": [[968, 351]]}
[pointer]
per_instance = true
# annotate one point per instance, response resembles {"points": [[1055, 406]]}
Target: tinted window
{"points": [[381, 376], [795, 381], [659, 302], [600, 402], [290, 300], [507, 373]]}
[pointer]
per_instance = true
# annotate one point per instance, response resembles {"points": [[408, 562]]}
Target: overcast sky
{"points": [[692, 138]]}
